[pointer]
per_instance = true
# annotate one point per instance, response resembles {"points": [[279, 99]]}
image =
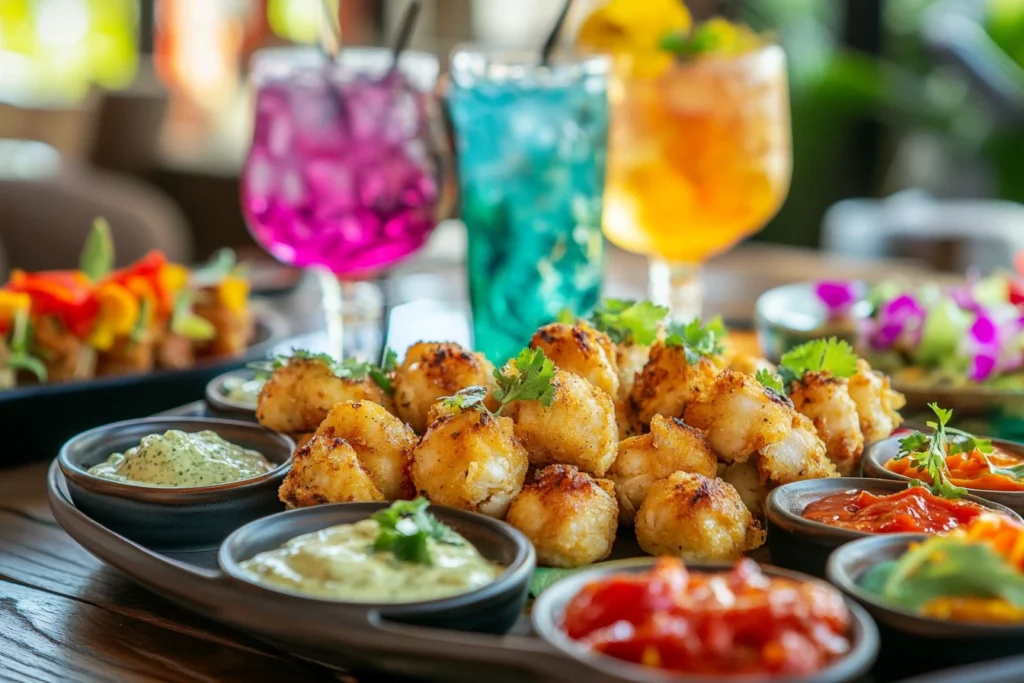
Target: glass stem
{"points": [[678, 286], [330, 291]]}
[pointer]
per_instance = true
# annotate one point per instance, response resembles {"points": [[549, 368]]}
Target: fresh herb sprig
{"points": [[20, 357], [628, 321], [698, 339], [530, 380], [350, 368], [405, 529], [770, 380], [832, 355], [928, 453]]}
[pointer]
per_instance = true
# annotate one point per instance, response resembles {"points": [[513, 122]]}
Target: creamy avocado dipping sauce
{"points": [[178, 459], [243, 391], [340, 563]]}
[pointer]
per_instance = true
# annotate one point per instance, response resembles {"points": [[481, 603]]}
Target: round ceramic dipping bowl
{"points": [[912, 643], [549, 609], [883, 451], [493, 608], [803, 545], [173, 518], [220, 404]]}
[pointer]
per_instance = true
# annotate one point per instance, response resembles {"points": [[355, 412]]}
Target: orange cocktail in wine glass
{"points": [[699, 153]]}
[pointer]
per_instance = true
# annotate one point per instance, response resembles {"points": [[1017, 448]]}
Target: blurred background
{"points": [[145, 113]]}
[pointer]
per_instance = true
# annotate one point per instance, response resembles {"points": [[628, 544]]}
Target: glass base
{"points": [[677, 286], [353, 311]]}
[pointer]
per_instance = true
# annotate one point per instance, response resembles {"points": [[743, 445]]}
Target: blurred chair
{"points": [[48, 211], [950, 235]]}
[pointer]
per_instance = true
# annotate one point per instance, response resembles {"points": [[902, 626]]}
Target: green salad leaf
{"points": [[405, 529], [698, 340], [831, 355], [945, 567], [627, 321]]}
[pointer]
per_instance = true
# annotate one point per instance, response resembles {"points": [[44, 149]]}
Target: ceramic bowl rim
{"points": [[519, 571], [215, 395], [864, 633], [775, 509], [878, 469], [168, 494], [839, 576]]}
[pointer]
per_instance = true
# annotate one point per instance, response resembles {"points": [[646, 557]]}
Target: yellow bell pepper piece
{"points": [[233, 293], [12, 303], [119, 311]]}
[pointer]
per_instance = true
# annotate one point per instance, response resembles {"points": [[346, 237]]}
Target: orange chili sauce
{"points": [[912, 510], [968, 470]]}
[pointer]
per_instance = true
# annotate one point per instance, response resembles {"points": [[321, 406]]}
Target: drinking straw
{"points": [[549, 44], [408, 23]]}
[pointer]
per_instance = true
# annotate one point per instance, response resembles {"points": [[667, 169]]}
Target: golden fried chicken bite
{"points": [[581, 350], [745, 477], [696, 518], [327, 470], [825, 400], [739, 416], [569, 516], [877, 403], [578, 428], [630, 359], [668, 383], [434, 370], [382, 442], [470, 460], [669, 447], [297, 396], [799, 455]]}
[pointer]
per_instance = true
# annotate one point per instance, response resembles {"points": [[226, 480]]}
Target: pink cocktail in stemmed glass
{"points": [[345, 168]]}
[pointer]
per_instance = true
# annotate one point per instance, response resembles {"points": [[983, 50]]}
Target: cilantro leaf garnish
{"points": [[381, 374], [350, 368], [470, 397], [529, 381], [697, 339], [945, 567], [405, 528], [628, 321], [770, 380], [821, 355], [928, 454]]}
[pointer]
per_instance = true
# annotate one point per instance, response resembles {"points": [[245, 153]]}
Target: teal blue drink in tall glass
{"points": [[531, 142]]}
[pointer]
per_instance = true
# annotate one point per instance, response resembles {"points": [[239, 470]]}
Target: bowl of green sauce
{"points": [[406, 562], [174, 483], [234, 394]]}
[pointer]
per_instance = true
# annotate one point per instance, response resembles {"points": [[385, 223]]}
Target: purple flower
{"points": [[838, 296], [899, 318]]}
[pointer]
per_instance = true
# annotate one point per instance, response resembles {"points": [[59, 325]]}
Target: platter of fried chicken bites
{"points": [[620, 420]]}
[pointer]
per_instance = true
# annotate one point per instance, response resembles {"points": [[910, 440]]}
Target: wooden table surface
{"points": [[64, 616]]}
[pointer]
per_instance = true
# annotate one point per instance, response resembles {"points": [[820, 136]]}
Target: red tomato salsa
{"points": [[911, 510], [736, 622]]}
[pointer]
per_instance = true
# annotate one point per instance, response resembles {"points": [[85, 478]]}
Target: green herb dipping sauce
{"points": [[340, 563], [243, 391], [178, 459]]}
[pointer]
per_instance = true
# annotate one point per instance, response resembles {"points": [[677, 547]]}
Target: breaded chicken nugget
{"points": [[877, 403], [746, 479], [668, 383], [669, 447], [696, 518], [578, 428], [825, 399], [581, 350], [569, 516], [434, 370], [327, 470], [297, 396], [383, 443], [471, 460]]}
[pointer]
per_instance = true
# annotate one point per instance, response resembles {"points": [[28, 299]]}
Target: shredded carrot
{"points": [[969, 470]]}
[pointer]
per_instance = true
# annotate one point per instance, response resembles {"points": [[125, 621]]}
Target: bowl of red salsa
{"points": [[993, 476], [666, 621], [807, 520]]}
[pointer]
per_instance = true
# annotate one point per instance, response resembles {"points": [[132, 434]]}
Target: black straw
{"points": [[412, 13], [549, 44]]}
